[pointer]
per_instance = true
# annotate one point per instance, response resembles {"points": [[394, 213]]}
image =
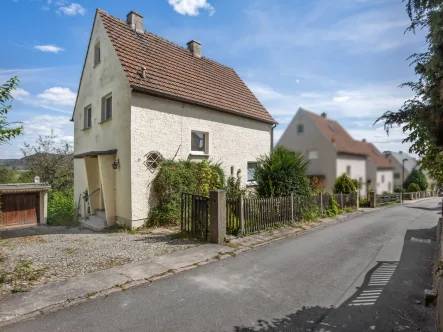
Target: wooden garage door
{"points": [[19, 209]]}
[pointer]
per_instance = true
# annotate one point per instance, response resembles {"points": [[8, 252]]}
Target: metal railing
{"points": [[85, 201]]}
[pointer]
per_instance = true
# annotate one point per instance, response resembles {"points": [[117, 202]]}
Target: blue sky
{"points": [[343, 57]]}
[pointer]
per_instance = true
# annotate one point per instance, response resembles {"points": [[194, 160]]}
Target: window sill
{"points": [[200, 154], [96, 64], [251, 184], [107, 120], [86, 129]]}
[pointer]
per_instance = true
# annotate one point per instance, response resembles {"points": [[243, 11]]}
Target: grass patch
{"points": [[68, 251], [23, 274]]}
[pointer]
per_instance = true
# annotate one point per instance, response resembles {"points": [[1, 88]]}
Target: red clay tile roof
{"points": [[375, 155], [339, 137], [344, 143], [174, 72]]}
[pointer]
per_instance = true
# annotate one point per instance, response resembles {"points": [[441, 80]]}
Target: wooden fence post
{"points": [[321, 203], [358, 200], [292, 207], [242, 215], [341, 200]]}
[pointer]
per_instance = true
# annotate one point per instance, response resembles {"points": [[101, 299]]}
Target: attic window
{"points": [[300, 129], [97, 54], [153, 159]]}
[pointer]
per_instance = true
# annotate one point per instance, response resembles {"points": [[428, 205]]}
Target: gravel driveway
{"points": [[60, 252]]}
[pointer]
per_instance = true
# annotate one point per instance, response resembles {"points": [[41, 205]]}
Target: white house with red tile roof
{"points": [[142, 98], [331, 152]]}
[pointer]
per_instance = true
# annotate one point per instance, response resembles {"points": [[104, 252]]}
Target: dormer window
{"points": [[97, 54]]}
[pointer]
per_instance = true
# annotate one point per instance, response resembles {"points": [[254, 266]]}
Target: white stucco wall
{"points": [[165, 126], [397, 169], [311, 139], [387, 184], [358, 169], [98, 81]]}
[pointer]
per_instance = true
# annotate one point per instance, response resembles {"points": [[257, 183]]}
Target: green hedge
{"points": [[177, 177], [61, 209]]}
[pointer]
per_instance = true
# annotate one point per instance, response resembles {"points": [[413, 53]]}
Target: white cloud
{"points": [[45, 124], [58, 96], [341, 99], [297, 81], [49, 48], [72, 9], [20, 94], [191, 7], [263, 92]]}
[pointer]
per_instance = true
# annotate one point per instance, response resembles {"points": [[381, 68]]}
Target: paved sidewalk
{"points": [[54, 296]]}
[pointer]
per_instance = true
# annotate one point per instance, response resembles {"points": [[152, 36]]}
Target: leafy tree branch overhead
{"points": [[6, 131], [422, 115]]}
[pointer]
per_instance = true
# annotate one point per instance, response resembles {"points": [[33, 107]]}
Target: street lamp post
{"points": [[403, 178]]}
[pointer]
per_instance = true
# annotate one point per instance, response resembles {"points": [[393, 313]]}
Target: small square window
{"points": [[300, 129], [348, 170], [97, 55], [397, 176], [312, 154], [88, 117], [252, 166], [382, 179], [107, 107], [199, 142]]}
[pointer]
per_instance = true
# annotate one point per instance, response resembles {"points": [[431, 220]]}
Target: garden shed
{"points": [[23, 205]]}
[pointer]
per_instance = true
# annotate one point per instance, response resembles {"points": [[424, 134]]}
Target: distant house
{"points": [[143, 99], [331, 152], [398, 159], [379, 171]]}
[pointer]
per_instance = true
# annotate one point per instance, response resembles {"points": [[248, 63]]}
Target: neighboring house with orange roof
{"points": [[379, 171], [331, 152], [142, 99]]}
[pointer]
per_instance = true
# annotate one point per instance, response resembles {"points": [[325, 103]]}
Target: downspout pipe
{"points": [[272, 136]]}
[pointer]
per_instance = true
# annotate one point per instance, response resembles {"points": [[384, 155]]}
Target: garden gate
{"points": [[195, 215]]}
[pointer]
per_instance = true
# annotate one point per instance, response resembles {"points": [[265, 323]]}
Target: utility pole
{"points": [[403, 179]]}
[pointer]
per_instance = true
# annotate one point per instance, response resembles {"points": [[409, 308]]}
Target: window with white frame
{"points": [[312, 154], [88, 117], [348, 170], [107, 107], [382, 179], [199, 142], [97, 54], [252, 166]]}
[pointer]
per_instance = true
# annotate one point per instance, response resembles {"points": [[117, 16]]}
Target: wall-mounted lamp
{"points": [[116, 164]]}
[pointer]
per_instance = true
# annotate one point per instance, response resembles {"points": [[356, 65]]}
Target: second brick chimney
{"points": [[135, 21], [195, 48]]}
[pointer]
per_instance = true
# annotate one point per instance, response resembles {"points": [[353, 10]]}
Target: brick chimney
{"points": [[324, 115], [135, 20], [195, 48]]}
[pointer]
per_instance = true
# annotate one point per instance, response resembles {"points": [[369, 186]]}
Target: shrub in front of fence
{"points": [[177, 177]]}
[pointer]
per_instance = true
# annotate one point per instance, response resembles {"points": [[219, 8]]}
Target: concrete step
{"points": [[95, 223], [100, 213]]}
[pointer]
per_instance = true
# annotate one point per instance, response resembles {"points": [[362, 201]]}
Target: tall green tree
{"points": [[417, 177], [6, 131], [52, 160], [281, 173], [422, 115]]}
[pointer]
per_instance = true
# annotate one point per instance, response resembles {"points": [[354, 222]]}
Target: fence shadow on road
{"points": [[390, 298], [437, 208]]}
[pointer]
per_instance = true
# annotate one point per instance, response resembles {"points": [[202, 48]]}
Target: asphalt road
{"points": [[366, 274]]}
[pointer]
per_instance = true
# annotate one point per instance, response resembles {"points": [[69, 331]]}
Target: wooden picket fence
{"points": [[245, 215], [388, 199]]}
